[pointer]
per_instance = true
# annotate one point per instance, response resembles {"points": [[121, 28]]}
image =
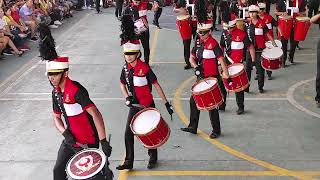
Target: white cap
{"points": [[262, 5], [232, 23], [131, 46], [254, 8], [57, 65]]}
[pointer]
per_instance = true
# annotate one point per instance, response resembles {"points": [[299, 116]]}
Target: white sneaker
{"points": [[53, 26], [84, 7], [57, 22], [89, 7]]}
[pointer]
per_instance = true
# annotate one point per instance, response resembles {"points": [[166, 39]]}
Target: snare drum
{"points": [[140, 26], [301, 27], [184, 26], [150, 128], [285, 24], [271, 59], [269, 44], [206, 93], [238, 76], [86, 164]]}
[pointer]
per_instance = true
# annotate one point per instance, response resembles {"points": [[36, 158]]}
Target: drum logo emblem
{"points": [[85, 163]]}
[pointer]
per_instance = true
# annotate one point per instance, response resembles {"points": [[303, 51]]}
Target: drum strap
{"points": [[250, 32], [59, 98], [127, 75], [227, 41]]}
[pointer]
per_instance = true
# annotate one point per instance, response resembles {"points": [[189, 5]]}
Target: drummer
{"points": [[185, 28], [206, 65], [84, 122], [235, 43], [282, 10], [257, 31], [136, 82], [270, 22]]}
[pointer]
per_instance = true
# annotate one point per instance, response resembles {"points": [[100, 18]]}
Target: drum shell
{"points": [[301, 28], [185, 28], [285, 25], [156, 137], [208, 99], [240, 80]]}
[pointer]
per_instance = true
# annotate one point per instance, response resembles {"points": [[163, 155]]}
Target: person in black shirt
{"points": [[316, 19]]}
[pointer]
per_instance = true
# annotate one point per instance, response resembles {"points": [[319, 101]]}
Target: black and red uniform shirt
{"points": [[235, 43], [281, 6], [76, 101], [207, 54], [139, 11], [270, 22], [139, 80], [256, 33]]}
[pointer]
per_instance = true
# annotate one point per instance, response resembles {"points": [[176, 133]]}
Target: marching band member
{"points": [[185, 28], [286, 8], [139, 11], [235, 43], [257, 30], [316, 19], [270, 22], [136, 82], [204, 58], [84, 122]]}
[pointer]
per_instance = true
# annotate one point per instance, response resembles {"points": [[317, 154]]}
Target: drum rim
{"points": [[138, 113], [104, 159], [236, 64], [206, 90], [285, 17], [269, 42], [267, 58], [302, 18], [211, 107], [160, 144]]}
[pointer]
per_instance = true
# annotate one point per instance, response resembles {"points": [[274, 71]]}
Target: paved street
{"points": [[277, 137]]}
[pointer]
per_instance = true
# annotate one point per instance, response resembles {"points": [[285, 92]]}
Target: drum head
{"points": [[273, 53], [285, 17], [86, 164], [146, 121], [235, 69], [204, 85], [303, 18], [269, 44]]}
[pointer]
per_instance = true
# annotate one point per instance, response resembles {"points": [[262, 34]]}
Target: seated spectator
{"points": [[27, 16]]}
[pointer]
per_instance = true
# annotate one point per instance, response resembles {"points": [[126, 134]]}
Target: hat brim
{"points": [[55, 70], [130, 52]]}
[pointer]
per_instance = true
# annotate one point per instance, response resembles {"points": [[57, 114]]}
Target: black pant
{"points": [[119, 4], [144, 38], [318, 73], [214, 15], [293, 46], [64, 154], [240, 99], [186, 50], [195, 114], [97, 2], [223, 90], [259, 68], [157, 15], [268, 4], [313, 8], [129, 141]]}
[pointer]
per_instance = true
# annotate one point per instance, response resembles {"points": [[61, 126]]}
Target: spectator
{"points": [[26, 14]]}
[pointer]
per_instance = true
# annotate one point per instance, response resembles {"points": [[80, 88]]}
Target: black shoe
{"points": [[124, 166], [187, 67], [256, 78], [240, 111], [261, 91], [291, 60], [189, 129], [151, 165], [318, 104], [247, 90], [214, 135], [269, 78]]}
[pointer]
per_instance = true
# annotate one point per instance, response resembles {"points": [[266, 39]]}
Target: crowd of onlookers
{"points": [[19, 20]]}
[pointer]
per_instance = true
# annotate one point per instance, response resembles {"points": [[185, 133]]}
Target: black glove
{"points": [[129, 101], [69, 139], [229, 80], [199, 72], [106, 148], [169, 108]]}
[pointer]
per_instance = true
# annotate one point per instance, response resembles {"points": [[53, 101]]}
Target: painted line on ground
{"points": [[178, 109], [216, 173], [292, 101], [153, 45], [32, 64], [169, 62]]}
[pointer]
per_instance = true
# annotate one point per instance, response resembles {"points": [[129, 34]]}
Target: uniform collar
{"points": [[138, 62]]}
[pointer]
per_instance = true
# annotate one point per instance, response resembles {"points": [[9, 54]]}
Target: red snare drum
{"points": [[150, 128], [86, 164], [238, 76], [206, 93], [185, 27], [285, 24], [301, 27], [271, 58]]}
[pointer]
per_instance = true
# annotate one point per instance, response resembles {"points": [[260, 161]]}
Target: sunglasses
{"points": [[130, 53], [202, 33]]}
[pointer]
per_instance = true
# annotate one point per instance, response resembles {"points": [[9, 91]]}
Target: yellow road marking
{"points": [[216, 173], [123, 175], [153, 45], [184, 119]]}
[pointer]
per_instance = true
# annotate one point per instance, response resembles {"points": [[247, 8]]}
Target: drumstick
{"points": [[83, 146], [138, 106], [229, 59]]}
